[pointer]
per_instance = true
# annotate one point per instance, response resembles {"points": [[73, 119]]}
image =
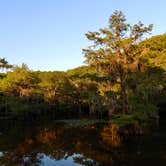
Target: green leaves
{"points": [[155, 51], [116, 52]]}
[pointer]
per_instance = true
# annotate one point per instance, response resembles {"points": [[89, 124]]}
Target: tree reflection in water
{"points": [[56, 144], [110, 136]]}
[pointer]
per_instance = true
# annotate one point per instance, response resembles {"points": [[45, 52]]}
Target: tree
{"points": [[4, 64], [155, 51], [155, 55], [19, 82], [115, 52]]}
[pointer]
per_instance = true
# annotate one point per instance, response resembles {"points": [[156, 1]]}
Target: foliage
{"points": [[20, 77], [130, 119], [124, 79], [116, 53], [155, 51]]}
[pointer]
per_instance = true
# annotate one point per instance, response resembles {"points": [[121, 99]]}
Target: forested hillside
{"points": [[124, 78]]}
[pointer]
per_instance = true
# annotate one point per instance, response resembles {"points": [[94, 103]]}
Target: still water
{"points": [[58, 144]]}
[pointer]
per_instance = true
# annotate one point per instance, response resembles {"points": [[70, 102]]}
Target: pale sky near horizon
{"points": [[50, 34]]}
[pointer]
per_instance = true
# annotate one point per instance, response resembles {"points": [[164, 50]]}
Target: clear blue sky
{"points": [[49, 34]]}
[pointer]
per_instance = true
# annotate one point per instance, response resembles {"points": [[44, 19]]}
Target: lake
{"points": [[64, 144]]}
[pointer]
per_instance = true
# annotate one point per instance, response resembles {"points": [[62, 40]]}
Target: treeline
{"points": [[124, 76], [26, 93]]}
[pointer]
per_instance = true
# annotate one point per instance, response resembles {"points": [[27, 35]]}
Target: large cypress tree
{"points": [[115, 52]]}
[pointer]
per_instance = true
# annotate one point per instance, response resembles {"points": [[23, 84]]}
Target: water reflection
{"points": [[110, 136], [93, 145]]}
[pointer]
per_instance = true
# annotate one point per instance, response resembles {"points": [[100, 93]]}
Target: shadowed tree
{"points": [[4, 64]]}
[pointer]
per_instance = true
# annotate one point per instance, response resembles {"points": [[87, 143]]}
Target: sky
{"points": [[50, 34]]}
